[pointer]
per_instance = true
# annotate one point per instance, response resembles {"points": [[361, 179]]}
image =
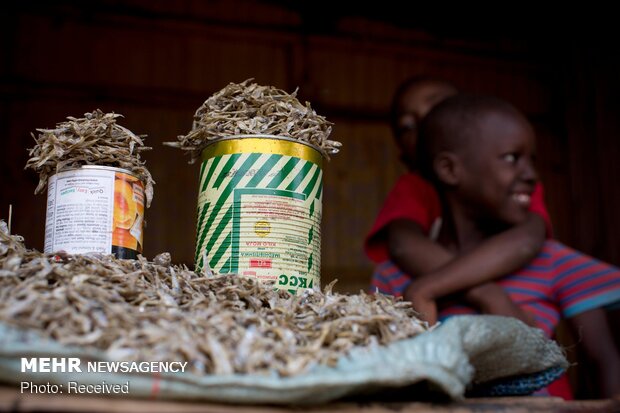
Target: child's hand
{"points": [[491, 298], [422, 303], [596, 338]]}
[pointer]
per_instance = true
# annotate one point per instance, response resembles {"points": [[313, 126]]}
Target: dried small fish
{"points": [[248, 108], [95, 139], [138, 310]]}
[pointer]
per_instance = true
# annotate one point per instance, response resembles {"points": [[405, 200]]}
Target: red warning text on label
{"points": [[258, 263]]}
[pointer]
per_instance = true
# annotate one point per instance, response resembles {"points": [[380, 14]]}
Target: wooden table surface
{"points": [[11, 400]]}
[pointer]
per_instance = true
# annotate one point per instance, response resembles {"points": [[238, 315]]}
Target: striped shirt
{"points": [[559, 282]]}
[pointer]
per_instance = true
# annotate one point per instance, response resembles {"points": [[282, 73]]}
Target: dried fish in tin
{"points": [[95, 139], [248, 108]]}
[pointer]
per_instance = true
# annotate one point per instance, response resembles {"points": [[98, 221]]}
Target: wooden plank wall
{"points": [[157, 61]]}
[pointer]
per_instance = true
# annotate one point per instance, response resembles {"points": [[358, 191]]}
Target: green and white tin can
{"points": [[259, 210]]}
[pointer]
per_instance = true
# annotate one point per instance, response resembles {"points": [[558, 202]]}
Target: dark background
{"points": [[155, 62]]}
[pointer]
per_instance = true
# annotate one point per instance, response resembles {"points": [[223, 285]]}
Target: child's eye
{"points": [[510, 157], [407, 127]]}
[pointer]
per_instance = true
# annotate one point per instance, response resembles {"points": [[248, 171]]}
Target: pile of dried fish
{"points": [[95, 139], [154, 311], [248, 108]]}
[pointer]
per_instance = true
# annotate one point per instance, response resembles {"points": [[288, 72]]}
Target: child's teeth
{"points": [[522, 198]]}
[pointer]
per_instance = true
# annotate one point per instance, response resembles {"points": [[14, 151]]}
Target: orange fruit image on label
{"points": [[124, 205], [122, 238], [128, 217]]}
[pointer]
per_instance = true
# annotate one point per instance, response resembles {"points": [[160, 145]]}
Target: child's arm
{"points": [[594, 334], [438, 274], [491, 298]]}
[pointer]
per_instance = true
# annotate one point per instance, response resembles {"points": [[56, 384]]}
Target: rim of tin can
{"points": [[264, 135], [107, 168]]}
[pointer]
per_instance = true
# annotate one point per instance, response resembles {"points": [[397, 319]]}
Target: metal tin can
{"points": [[259, 210], [95, 209]]}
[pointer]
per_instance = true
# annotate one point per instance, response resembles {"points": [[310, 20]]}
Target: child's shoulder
{"points": [[412, 181], [412, 189]]}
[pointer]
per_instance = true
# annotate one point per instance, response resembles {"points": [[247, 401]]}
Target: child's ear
{"points": [[447, 168]]}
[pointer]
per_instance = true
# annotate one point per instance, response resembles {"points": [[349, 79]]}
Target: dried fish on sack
{"points": [[141, 310], [264, 346]]}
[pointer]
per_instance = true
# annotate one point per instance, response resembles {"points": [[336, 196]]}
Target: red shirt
{"points": [[416, 199]]}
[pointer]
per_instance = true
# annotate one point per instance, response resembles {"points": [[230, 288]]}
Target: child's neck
{"points": [[460, 232]]}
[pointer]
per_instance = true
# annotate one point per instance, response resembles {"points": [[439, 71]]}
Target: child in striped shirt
{"points": [[413, 208], [478, 151]]}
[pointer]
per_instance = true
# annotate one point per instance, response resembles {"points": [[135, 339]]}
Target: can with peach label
{"points": [[95, 209]]}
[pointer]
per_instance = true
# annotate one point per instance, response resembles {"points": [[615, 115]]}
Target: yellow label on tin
{"points": [[263, 145], [259, 213]]}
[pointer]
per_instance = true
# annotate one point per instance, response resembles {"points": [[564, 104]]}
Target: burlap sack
{"points": [[466, 352]]}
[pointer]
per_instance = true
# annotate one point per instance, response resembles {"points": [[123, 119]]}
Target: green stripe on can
{"points": [[259, 211]]}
